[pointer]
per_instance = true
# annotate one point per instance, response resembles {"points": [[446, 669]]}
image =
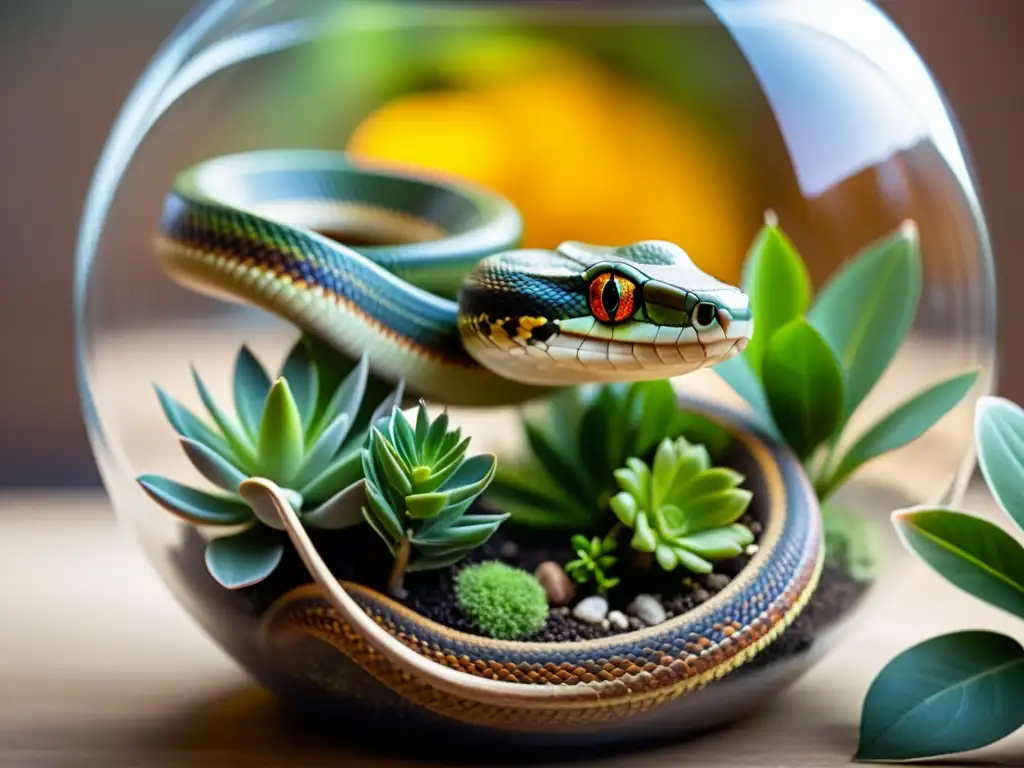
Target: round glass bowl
{"points": [[605, 123]]}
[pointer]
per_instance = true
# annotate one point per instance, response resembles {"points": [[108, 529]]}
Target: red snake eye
{"points": [[612, 298]]}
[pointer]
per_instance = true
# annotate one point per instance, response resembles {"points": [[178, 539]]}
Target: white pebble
{"points": [[592, 609], [717, 581], [647, 609], [618, 620], [750, 550]]}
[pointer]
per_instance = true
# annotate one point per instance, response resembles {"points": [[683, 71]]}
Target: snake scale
{"points": [[430, 280]]}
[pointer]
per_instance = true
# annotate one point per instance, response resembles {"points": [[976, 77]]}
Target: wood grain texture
{"points": [[81, 686]]}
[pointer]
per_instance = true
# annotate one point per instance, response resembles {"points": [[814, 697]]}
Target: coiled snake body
{"points": [[433, 284]]}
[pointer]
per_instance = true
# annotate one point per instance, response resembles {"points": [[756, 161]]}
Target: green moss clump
{"points": [[504, 602]]}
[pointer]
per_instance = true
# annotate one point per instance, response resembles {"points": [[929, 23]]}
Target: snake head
{"points": [[597, 313]]}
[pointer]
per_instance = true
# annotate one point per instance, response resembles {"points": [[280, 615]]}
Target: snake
{"points": [[426, 272]]}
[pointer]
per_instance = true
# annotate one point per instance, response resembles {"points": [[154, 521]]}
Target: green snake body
{"points": [[433, 285], [442, 297]]}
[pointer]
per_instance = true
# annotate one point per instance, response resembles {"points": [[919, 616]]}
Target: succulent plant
{"points": [[682, 509], [504, 602], [566, 481], [304, 431], [419, 486], [594, 558]]}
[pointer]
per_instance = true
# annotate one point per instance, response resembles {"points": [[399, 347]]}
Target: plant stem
{"points": [[396, 584]]}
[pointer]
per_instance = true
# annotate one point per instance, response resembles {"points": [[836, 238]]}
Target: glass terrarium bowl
{"points": [[697, 123]]}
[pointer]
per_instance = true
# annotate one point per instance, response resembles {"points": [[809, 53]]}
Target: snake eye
{"points": [[612, 297], [704, 315]]}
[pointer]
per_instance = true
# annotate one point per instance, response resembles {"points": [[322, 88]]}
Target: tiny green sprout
{"points": [[683, 510], [303, 430], [419, 486], [594, 559]]}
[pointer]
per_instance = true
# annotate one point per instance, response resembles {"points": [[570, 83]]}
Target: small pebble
{"points": [[605, 624], [648, 609], [558, 587], [617, 620], [755, 528], [591, 610], [717, 581], [635, 623], [700, 595], [751, 549], [562, 610], [509, 549]]}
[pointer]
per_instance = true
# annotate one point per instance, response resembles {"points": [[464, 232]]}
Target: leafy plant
{"points": [[505, 602], [576, 444], [594, 558], [419, 485], [960, 691], [683, 510], [303, 431], [812, 362]]}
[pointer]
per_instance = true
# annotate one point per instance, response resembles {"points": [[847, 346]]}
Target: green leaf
{"points": [[342, 510], [186, 424], [348, 396], [531, 504], [193, 505], [593, 439], [233, 433], [251, 386], [320, 454], [475, 474], [212, 466], [693, 562], [903, 425], [396, 472], [403, 438], [423, 506], [644, 539], [579, 543], [280, 440], [657, 409], [393, 400], [971, 553], [705, 483], [244, 559], [999, 434], [866, 309], [953, 693], [776, 280], [434, 563], [555, 463], [300, 374], [663, 470], [666, 557], [736, 372], [804, 385], [715, 510], [718, 543], [341, 473], [386, 517]]}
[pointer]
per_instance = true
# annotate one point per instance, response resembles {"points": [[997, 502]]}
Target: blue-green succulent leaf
{"points": [[186, 424], [212, 466], [340, 473], [233, 433], [435, 563], [193, 505], [374, 521], [244, 559], [320, 454], [472, 478], [403, 437], [737, 373], [999, 433], [251, 386], [281, 443], [299, 372], [348, 397], [952, 693], [342, 510], [393, 400], [384, 513]]}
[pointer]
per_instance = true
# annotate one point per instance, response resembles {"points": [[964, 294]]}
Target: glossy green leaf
{"points": [[736, 372], [666, 557], [644, 539], [451, 517], [193, 505], [950, 694], [423, 506], [971, 553], [348, 395], [435, 563], [186, 424], [374, 521], [999, 434], [658, 409], [342, 510], [472, 478], [234, 434], [244, 559], [387, 518], [395, 470], [866, 309], [776, 280], [389, 403], [532, 502], [280, 439], [710, 481], [344, 470], [301, 376], [323, 451], [212, 466], [251, 386], [403, 438], [901, 426], [804, 385], [715, 510], [692, 561], [625, 508], [555, 463], [593, 440]]}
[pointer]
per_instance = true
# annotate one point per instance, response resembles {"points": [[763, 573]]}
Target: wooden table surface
{"points": [[100, 667]]}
